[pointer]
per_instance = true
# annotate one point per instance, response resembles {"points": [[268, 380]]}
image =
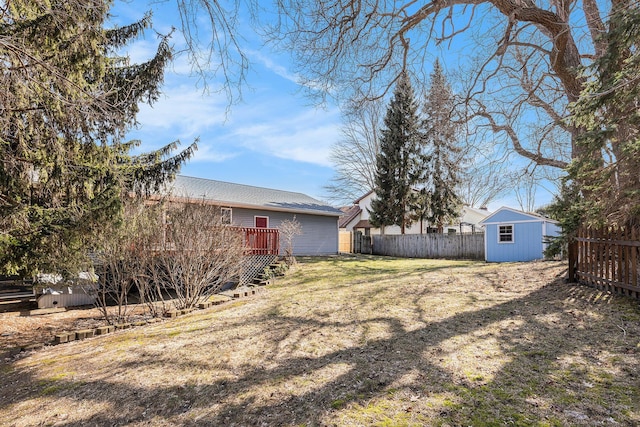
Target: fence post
{"points": [[573, 260]]}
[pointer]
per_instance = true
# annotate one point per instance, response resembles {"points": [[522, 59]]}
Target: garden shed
{"points": [[512, 235]]}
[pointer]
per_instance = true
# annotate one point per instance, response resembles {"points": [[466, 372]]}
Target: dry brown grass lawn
{"points": [[352, 341]]}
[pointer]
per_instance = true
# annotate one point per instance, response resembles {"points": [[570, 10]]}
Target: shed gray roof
{"points": [[529, 215], [228, 194]]}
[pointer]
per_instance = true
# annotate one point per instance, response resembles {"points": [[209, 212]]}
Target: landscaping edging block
{"points": [[66, 337], [103, 330], [61, 339], [85, 333]]}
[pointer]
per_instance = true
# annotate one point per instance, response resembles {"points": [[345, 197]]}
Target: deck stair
{"points": [[254, 266], [274, 269]]}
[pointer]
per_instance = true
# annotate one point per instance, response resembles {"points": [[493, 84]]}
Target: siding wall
{"points": [[79, 296], [319, 233], [552, 230], [527, 244]]}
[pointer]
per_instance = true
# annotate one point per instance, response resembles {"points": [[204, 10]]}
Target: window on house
{"points": [[226, 215], [262, 221], [505, 234]]}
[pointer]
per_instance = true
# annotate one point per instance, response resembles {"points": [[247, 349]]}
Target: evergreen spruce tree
{"points": [[440, 152], [396, 161], [68, 99], [420, 205]]}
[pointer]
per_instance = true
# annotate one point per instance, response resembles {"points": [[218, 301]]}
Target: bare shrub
{"points": [[148, 245], [200, 253], [290, 228], [124, 258]]}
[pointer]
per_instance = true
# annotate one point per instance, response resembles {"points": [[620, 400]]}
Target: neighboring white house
{"points": [[356, 218]]}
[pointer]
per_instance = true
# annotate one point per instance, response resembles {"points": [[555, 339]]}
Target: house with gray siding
{"points": [[258, 207], [511, 235]]}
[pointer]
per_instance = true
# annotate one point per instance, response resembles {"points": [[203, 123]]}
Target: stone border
{"points": [[66, 337]]}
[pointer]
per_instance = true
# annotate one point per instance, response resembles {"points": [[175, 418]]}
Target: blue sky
{"points": [[274, 138]]}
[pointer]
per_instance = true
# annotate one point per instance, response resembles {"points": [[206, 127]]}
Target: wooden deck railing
{"points": [[257, 241], [261, 241]]}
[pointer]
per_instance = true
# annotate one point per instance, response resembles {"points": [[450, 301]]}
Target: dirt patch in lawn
{"points": [[23, 324], [356, 341], [18, 328]]}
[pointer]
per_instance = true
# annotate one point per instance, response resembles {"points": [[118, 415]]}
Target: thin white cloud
{"points": [[283, 71], [185, 110], [306, 136], [140, 51], [207, 153], [270, 122], [278, 127], [274, 67]]}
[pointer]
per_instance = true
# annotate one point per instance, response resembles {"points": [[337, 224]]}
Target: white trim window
{"points": [[227, 215], [505, 233]]}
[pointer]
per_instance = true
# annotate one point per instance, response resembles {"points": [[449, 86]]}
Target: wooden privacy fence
{"points": [[432, 245], [606, 259], [345, 241], [361, 243]]}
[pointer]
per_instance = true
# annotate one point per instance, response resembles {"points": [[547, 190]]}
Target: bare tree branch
{"points": [[354, 155]]}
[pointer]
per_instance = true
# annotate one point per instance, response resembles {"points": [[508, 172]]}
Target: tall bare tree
{"points": [[525, 190], [518, 87], [354, 155], [356, 48], [482, 181]]}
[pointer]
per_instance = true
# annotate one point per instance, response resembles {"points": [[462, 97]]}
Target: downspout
{"points": [[544, 233]]}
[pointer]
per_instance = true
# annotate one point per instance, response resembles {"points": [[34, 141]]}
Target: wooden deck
{"points": [[15, 290]]}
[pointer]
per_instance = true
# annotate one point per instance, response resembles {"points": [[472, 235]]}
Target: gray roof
{"points": [[228, 194]]}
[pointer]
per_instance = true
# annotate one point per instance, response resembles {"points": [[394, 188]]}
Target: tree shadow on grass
{"points": [[547, 347], [355, 269]]}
